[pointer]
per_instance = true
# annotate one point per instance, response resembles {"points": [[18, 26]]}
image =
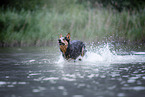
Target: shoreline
{"points": [[54, 43]]}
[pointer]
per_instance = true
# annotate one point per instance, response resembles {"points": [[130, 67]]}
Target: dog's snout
{"points": [[59, 40]]}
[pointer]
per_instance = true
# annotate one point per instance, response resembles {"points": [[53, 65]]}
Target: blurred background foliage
{"points": [[39, 22], [118, 5]]}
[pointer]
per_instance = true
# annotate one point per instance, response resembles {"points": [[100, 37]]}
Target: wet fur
{"points": [[71, 49]]}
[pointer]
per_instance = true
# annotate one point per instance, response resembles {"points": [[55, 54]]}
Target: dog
{"points": [[71, 49]]}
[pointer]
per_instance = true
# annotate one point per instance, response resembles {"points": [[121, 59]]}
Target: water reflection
{"points": [[42, 74]]}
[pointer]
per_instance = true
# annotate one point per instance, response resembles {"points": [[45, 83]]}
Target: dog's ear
{"points": [[60, 35], [68, 36]]}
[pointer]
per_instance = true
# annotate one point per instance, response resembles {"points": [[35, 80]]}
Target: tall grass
{"points": [[40, 27]]}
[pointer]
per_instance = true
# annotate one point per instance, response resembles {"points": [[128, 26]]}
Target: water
{"points": [[106, 71]]}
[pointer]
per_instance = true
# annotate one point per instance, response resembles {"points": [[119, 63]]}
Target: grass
{"points": [[41, 27]]}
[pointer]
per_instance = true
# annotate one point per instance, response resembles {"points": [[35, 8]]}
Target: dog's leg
{"points": [[83, 51], [82, 54]]}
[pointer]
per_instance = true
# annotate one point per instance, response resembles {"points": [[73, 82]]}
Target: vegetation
{"points": [[41, 25]]}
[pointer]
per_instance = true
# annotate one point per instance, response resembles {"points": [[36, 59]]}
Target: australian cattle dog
{"points": [[71, 49]]}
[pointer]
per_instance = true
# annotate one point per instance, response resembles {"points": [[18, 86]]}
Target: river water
{"points": [[106, 71]]}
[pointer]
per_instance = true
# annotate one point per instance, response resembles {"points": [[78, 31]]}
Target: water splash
{"points": [[99, 54], [61, 60], [106, 54]]}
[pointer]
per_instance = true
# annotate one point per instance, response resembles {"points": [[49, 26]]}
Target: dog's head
{"points": [[64, 40]]}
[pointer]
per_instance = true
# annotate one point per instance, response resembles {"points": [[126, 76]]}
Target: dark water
{"points": [[42, 72]]}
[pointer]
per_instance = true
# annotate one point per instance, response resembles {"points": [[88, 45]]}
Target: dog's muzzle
{"points": [[60, 43]]}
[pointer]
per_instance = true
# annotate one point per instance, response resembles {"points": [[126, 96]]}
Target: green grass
{"points": [[40, 27]]}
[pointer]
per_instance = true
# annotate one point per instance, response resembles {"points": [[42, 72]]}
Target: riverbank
{"points": [[41, 27]]}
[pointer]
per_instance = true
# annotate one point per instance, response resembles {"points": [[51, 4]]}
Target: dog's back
{"points": [[75, 49]]}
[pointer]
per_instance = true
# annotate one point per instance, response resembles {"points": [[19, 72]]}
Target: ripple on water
{"points": [[112, 87], [11, 84], [39, 89], [77, 96], [132, 79], [143, 77], [121, 95], [50, 78], [63, 89], [2, 83], [136, 88], [33, 74], [69, 77], [31, 60]]}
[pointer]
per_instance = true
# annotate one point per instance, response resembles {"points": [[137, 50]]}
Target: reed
{"points": [[41, 27]]}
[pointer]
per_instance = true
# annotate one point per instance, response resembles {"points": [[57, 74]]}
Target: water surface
{"points": [[106, 71]]}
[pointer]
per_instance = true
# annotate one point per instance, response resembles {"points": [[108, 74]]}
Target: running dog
{"points": [[71, 49]]}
